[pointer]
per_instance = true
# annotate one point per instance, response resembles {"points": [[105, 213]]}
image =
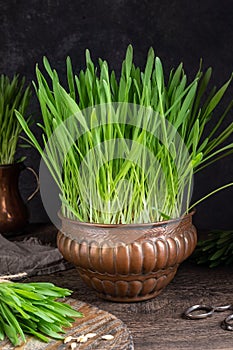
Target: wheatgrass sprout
{"points": [[31, 308], [128, 147], [216, 249], [13, 95]]}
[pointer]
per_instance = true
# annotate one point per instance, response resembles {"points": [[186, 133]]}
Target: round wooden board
{"points": [[94, 321]]}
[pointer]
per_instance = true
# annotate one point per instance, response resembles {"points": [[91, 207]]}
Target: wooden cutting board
{"points": [[94, 321]]}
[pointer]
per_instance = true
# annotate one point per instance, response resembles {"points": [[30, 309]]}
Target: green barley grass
{"points": [[216, 249], [13, 95], [31, 308], [128, 190]]}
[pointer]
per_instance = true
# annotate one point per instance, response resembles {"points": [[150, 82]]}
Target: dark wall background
{"points": [[178, 30]]}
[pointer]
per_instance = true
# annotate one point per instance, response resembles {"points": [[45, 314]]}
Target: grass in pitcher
{"points": [[13, 95]]}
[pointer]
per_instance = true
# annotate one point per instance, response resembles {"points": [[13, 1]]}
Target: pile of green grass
{"points": [[31, 308]]}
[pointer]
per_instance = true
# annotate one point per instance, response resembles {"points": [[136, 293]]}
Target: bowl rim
{"points": [[133, 226]]}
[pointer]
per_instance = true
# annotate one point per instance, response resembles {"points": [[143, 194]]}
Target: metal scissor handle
{"points": [[209, 311], [189, 312], [223, 308], [226, 323]]}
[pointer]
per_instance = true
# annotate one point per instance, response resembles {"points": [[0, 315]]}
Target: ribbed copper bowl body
{"points": [[127, 271]]}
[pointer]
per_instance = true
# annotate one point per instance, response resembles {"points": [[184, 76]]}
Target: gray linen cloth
{"points": [[30, 256]]}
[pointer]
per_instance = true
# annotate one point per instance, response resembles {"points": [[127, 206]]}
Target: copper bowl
{"points": [[127, 263]]}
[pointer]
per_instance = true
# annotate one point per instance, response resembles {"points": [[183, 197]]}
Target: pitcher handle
{"points": [[37, 181]]}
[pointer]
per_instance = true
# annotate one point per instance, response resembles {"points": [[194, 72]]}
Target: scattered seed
{"points": [[73, 345], [91, 335], [68, 339], [107, 337], [82, 339]]}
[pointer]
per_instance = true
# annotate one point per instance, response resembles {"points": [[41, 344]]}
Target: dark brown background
{"points": [[178, 30]]}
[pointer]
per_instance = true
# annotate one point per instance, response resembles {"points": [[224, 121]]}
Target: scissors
{"points": [[192, 314]]}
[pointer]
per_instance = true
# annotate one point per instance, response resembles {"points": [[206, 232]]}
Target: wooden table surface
{"points": [[158, 323]]}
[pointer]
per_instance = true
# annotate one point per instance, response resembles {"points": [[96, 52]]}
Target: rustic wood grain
{"points": [[158, 323], [94, 321]]}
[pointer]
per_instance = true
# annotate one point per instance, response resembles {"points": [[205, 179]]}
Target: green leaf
{"points": [[2, 336], [48, 331], [11, 319], [70, 77], [218, 254], [36, 334], [217, 98], [28, 294], [149, 67], [14, 95], [128, 61], [176, 110], [11, 334]]}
